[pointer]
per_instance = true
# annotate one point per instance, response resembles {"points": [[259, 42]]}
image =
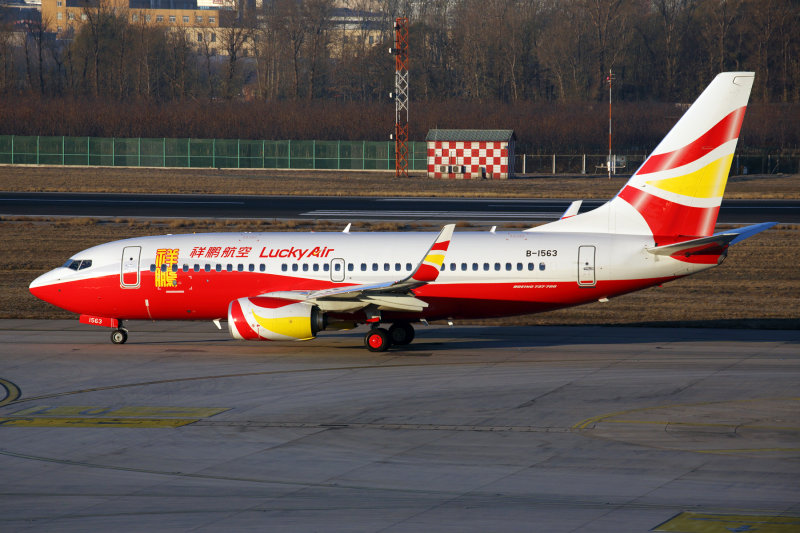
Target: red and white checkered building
{"points": [[470, 154]]}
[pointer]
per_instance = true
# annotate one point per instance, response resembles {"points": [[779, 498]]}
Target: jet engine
{"points": [[274, 319]]}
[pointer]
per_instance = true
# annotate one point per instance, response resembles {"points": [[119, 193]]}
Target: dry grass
{"points": [[344, 183], [757, 286]]}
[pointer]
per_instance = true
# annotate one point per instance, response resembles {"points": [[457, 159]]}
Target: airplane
{"points": [[290, 286]]}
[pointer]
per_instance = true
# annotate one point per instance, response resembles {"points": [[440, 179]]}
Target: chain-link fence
{"points": [[526, 164], [319, 155], [205, 153]]}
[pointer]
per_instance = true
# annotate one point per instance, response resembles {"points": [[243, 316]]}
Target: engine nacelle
{"points": [[273, 319]]}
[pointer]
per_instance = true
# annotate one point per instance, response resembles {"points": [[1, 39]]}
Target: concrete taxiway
{"points": [[468, 429], [347, 208]]}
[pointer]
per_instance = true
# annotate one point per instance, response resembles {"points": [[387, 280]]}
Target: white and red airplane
{"points": [[284, 286]]}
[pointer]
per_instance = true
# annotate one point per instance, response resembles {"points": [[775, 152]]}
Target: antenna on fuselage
{"points": [[347, 229]]}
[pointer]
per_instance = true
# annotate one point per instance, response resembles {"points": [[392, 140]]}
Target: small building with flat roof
{"points": [[470, 154]]}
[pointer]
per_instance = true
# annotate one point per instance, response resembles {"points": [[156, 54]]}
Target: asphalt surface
{"points": [[343, 208], [555, 429]]}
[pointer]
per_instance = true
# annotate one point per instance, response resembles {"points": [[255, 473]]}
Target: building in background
{"points": [[470, 154], [199, 18]]}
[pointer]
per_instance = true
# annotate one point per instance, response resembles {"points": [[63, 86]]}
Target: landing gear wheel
{"points": [[119, 336], [401, 333], [377, 340]]}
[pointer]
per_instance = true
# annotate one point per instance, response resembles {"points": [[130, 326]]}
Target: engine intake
{"points": [[274, 319]]}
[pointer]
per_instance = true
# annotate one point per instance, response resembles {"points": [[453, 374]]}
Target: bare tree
{"points": [[292, 27], [674, 18], [317, 14], [36, 31]]}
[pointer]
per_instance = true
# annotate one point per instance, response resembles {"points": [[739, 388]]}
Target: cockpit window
{"points": [[78, 264]]}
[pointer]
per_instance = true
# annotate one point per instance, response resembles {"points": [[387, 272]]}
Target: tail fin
{"points": [[678, 190]]}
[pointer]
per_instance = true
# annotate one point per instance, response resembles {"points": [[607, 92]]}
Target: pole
{"points": [[610, 163]]}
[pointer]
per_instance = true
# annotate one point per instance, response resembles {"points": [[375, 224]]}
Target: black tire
{"points": [[119, 336], [401, 333], [377, 340]]}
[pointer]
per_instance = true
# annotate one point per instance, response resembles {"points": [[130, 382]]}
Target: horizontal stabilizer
{"points": [[572, 210], [715, 244]]}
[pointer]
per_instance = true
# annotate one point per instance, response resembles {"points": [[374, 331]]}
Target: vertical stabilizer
{"points": [[679, 188], [677, 191]]}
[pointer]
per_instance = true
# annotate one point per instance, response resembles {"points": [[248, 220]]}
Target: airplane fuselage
{"points": [[486, 274]]}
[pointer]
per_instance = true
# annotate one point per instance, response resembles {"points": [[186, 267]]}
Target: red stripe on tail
{"points": [[725, 130], [667, 218]]}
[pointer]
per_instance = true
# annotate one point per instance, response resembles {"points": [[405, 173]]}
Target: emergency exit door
{"points": [[586, 271], [337, 269]]}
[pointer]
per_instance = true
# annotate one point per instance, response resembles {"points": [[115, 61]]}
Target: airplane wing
{"points": [[715, 244], [386, 296]]}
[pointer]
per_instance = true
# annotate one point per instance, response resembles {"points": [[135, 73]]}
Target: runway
{"points": [[343, 208], [468, 429]]}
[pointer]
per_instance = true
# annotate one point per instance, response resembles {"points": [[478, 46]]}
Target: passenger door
{"points": [[129, 277], [586, 272]]}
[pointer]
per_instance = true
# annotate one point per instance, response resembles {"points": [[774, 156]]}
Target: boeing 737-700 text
{"points": [[285, 286]]}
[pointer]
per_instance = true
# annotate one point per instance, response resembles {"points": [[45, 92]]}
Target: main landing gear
{"points": [[119, 335], [380, 339]]}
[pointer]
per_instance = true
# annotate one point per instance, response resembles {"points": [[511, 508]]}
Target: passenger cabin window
{"points": [[294, 267], [185, 268], [218, 267], [284, 267], [363, 267], [251, 267], [196, 267], [207, 267], [409, 266], [229, 267], [316, 267], [262, 267]]}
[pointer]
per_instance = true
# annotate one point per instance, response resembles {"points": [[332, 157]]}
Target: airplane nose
{"points": [[43, 286], [46, 279]]}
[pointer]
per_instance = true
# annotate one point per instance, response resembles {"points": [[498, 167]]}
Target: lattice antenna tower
{"points": [[400, 95]]}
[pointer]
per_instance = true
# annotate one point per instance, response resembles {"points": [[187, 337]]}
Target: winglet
{"points": [[429, 267]]}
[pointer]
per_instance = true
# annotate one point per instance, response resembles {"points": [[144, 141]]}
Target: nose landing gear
{"points": [[119, 335]]}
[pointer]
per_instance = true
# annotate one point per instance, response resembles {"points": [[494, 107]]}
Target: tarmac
{"points": [[553, 429]]}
